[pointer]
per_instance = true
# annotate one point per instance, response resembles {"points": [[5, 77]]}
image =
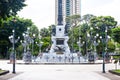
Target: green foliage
{"points": [[100, 24], [110, 46], [100, 48], [1, 71], [35, 53], [86, 18], [19, 24], [116, 34], [118, 45], [117, 71], [44, 32], [10, 7], [34, 32], [46, 43], [73, 20], [100, 20], [19, 52]]}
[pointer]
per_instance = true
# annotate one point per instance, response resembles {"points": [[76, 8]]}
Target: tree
{"points": [[116, 34], [46, 37], [20, 25], [86, 18], [73, 20], [84, 30], [44, 32], [73, 38], [111, 46], [46, 43], [79, 30], [116, 38], [10, 7], [100, 24], [84, 37]]}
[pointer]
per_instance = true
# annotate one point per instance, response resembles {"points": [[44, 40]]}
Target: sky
{"points": [[42, 12]]}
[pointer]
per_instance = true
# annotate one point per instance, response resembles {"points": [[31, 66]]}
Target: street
{"points": [[58, 72]]}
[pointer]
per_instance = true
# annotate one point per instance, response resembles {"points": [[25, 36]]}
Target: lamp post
{"points": [[104, 40], [24, 44], [13, 51], [72, 44], [27, 41], [95, 44], [80, 45], [73, 39], [40, 45], [103, 52], [107, 37], [33, 43], [13, 41], [91, 55], [87, 36]]}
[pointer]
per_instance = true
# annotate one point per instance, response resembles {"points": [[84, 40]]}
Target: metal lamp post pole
{"points": [[87, 36], [14, 47], [80, 45], [79, 49], [14, 51], [32, 46], [104, 53], [91, 38], [13, 41], [95, 44], [40, 44], [33, 43], [105, 41], [103, 62], [72, 44]]}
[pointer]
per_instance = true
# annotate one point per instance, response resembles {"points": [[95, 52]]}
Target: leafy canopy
{"points": [[10, 7]]}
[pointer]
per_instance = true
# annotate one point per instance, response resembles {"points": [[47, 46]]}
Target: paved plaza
{"points": [[59, 72]]}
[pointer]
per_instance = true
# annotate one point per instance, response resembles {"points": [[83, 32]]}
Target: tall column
{"points": [[60, 17]]}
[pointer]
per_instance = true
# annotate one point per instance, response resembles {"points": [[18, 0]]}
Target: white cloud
{"points": [[42, 12], [102, 7]]}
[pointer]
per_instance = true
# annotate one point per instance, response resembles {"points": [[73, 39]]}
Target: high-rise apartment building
{"points": [[69, 7]]}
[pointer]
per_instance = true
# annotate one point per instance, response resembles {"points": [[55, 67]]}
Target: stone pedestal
{"points": [[59, 42]]}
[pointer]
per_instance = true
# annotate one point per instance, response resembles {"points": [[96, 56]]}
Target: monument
{"points": [[59, 36]]}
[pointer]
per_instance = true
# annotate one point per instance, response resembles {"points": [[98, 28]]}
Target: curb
{"points": [[58, 63], [4, 72], [111, 71]]}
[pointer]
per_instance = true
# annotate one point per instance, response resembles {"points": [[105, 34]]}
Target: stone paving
{"points": [[59, 72]]}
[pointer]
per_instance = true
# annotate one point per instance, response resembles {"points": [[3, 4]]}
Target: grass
{"points": [[117, 71], [2, 71]]}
